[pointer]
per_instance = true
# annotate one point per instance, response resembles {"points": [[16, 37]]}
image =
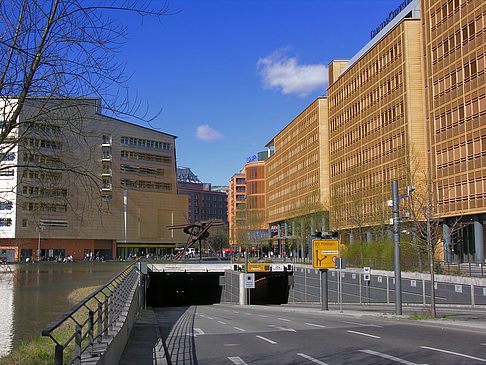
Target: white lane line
{"points": [[262, 315], [247, 314], [362, 324], [196, 332], [454, 353], [236, 312], [311, 359], [287, 329], [363, 334], [221, 322], [237, 360], [267, 339], [211, 318], [316, 325], [239, 329], [284, 319], [483, 344], [388, 357]]}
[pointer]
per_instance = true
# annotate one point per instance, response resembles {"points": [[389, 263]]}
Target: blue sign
{"points": [[392, 15]]}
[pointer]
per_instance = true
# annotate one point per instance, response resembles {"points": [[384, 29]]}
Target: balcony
{"points": [[106, 187], [106, 173]]}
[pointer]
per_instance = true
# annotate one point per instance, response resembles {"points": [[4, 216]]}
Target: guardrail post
{"points": [[105, 317], [90, 332], [100, 321], [77, 346], [58, 355]]}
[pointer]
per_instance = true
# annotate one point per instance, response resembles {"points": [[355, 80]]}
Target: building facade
{"points": [[83, 184], [377, 124], [455, 56], [297, 183], [236, 206], [205, 204]]}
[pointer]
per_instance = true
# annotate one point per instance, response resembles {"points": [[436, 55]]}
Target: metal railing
{"points": [[440, 267], [93, 317]]}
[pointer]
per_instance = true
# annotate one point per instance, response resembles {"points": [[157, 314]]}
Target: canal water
{"points": [[34, 295]]}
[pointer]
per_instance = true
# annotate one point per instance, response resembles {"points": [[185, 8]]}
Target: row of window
{"points": [[374, 125], [368, 74], [6, 205], [45, 128], [44, 207], [367, 101], [453, 43], [5, 222], [366, 156], [42, 175], [458, 115], [41, 159], [145, 157], [8, 157], [42, 143], [140, 184], [141, 170], [40, 191], [139, 142], [276, 174]]}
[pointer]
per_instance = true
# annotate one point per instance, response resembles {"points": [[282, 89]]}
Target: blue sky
{"points": [[228, 75]]}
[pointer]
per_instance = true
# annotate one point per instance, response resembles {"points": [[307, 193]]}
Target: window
{"points": [[9, 157], [6, 205], [5, 222], [145, 157], [163, 146]]}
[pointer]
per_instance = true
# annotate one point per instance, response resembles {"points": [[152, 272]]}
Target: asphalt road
{"points": [[231, 334]]}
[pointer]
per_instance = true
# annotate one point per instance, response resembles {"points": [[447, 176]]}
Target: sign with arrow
{"points": [[325, 253]]}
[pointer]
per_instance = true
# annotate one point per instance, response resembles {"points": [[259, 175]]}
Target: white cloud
{"points": [[206, 133], [279, 71]]}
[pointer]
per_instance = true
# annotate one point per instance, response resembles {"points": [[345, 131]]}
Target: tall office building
{"points": [[377, 123], [455, 57], [71, 173], [297, 173]]}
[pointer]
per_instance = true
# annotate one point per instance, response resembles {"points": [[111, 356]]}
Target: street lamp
{"points": [[39, 229], [395, 204]]}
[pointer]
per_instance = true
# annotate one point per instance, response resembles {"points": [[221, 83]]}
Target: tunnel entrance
{"points": [[174, 289], [270, 288]]}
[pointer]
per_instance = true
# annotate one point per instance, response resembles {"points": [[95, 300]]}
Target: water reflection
{"points": [[7, 311], [34, 295]]}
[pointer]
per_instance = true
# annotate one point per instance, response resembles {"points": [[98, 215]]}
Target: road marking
{"points": [[262, 315], [316, 325], [311, 359], [239, 329], [237, 360], [236, 312], [388, 357], [267, 339], [198, 330], [362, 325], [454, 353], [363, 334], [283, 319], [211, 318], [247, 314], [221, 322], [282, 328], [231, 344]]}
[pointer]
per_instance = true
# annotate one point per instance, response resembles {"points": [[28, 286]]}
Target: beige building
{"points": [[297, 180], [73, 174], [455, 48], [377, 124], [236, 207]]}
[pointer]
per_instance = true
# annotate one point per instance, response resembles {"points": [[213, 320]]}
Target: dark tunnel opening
{"points": [[185, 289]]}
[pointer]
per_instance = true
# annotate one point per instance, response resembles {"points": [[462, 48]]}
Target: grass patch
{"points": [[421, 317]]}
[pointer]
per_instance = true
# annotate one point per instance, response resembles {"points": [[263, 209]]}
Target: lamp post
{"points": [[395, 204], [39, 229]]}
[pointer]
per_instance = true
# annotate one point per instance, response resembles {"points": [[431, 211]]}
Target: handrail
{"points": [[115, 295]]}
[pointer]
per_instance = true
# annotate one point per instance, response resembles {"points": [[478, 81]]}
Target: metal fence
{"points": [[92, 317], [440, 267]]}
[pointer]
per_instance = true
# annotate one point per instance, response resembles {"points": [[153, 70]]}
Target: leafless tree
{"points": [[56, 55]]}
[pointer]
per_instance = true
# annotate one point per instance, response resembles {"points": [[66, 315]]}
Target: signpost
{"points": [[325, 252]]}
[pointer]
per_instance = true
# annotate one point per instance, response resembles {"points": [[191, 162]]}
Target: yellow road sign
{"points": [[324, 253]]}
